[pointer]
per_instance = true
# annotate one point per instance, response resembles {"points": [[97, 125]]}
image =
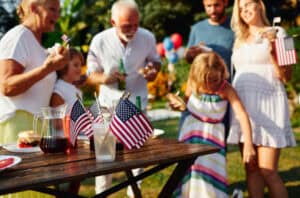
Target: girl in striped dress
{"points": [[207, 96]]}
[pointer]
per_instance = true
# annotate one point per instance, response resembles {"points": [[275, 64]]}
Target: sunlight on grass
{"points": [[289, 167]]}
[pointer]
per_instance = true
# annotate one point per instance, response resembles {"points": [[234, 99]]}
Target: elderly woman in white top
{"points": [[27, 71]]}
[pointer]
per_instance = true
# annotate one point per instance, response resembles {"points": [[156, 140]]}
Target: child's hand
{"points": [[249, 155], [192, 52], [176, 102]]}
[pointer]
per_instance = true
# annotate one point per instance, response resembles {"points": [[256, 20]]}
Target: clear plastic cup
{"points": [[105, 143]]}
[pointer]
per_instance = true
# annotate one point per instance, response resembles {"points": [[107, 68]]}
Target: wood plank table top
{"points": [[38, 170]]}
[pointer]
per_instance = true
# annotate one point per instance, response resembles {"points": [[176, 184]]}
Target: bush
{"points": [[182, 69]]}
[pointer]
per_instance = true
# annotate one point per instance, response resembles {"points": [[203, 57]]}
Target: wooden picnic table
{"points": [[38, 171]]}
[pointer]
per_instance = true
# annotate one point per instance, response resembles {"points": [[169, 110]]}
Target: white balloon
{"points": [[168, 54], [180, 52]]}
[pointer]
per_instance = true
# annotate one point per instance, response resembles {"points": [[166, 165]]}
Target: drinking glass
{"points": [[105, 142]]}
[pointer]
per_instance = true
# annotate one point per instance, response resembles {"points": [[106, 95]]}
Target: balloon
{"points": [[168, 44], [160, 49], [177, 40], [172, 57], [180, 51], [168, 53]]}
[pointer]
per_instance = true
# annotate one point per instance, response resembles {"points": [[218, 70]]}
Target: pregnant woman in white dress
{"points": [[257, 82]]}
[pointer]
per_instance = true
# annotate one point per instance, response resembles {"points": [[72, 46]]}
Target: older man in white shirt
{"points": [[128, 44]]}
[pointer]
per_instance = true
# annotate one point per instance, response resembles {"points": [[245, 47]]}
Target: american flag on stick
{"points": [[129, 125], [285, 51], [80, 121], [95, 117]]}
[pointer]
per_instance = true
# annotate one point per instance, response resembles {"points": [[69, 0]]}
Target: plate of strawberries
{"points": [[7, 161], [28, 142]]}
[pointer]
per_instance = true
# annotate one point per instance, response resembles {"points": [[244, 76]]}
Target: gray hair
{"points": [[120, 4]]}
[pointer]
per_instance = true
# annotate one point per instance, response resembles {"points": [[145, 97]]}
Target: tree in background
{"points": [[81, 19], [287, 9], [8, 17]]}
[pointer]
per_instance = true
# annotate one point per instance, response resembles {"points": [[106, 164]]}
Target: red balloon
{"points": [[160, 49], [177, 40]]}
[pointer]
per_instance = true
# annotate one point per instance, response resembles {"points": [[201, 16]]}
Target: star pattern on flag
{"points": [[127, 110]]}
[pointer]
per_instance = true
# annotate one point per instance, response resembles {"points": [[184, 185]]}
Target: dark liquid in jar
{"points": [[54, 144]]}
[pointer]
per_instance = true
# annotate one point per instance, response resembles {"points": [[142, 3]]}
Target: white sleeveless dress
{"points": [[263, 96]]}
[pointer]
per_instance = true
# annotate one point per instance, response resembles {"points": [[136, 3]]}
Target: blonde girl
{"points": [[207, 96]]}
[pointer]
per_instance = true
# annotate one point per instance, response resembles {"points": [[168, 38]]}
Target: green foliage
{"points": [[295, 121], [295, 82], [160, 16], [182, 69], [158, 103], [80, 20], [7, 20]]}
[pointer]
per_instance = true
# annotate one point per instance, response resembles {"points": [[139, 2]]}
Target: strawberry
{"points": [[6, 162], [24, 145]]}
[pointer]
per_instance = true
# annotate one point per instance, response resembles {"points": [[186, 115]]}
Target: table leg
{"points": [[134, 179], [134, 186], [175, 178]]}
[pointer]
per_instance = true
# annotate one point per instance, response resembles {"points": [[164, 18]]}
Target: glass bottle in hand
{"points": [[122, 83]]}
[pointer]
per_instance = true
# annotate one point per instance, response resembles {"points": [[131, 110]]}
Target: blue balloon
{"points": [[168, 44], [173, 57]]}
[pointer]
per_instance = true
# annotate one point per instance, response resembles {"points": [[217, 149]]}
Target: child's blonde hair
{"points": [[73, 53], [203, 66]]}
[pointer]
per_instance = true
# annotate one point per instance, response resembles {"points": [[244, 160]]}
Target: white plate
{"points": [[16, 161], [157, 132], [15, 148]]}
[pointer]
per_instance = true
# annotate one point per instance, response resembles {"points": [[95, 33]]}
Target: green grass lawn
{"points": [[289, 168]]}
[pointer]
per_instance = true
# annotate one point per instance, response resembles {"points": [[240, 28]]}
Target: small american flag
{"points": [[96, 117], [80, 121], [285, 51], [129, 125]]}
